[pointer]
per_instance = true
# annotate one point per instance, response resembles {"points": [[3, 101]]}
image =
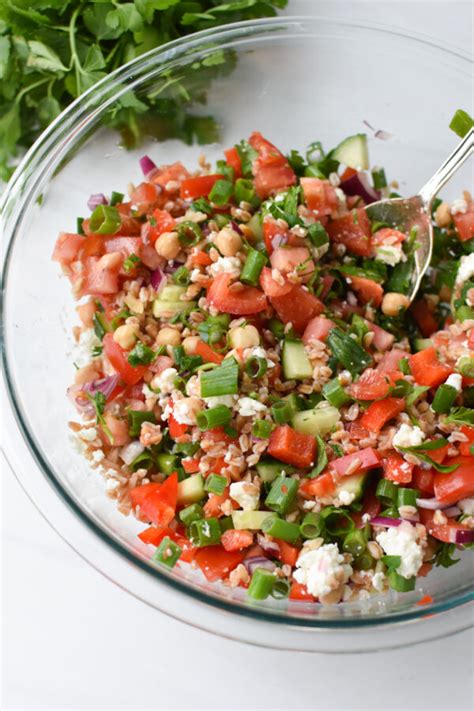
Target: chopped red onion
{"points": [[235, 227], [358, 184], [385, 521], [95, 200], [278, 241], [156, 279], [461, 535], [106, 385], [81, 403], [432, 504], [452, 512], [270, 547], [258, 561], [147, 165]]}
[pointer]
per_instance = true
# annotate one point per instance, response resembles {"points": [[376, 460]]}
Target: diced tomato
{"points": [[388, 236], [188, 550], [207, 353], [459, 484], [323, 485], [190, 466], [117, 358], [427, 369], [200, 186], [272, 172], [176, 429], [319, 195], [159, 505], [390, 362], [299, 592], [166, 173], [292, 447], [347, 173], [139, 493], [445, 532], [397, 469], [271, 287], [382, 340], [218, 435], [297, 307], [288, 554], [366, 459], [161, 221], [439, 455], [317, 329], [372, 385], [212, 507], [236, 540], [125, 245], [327, 281], [248, 300], [153, 535], [286, 259], [201, 259], [118, 430], [424, 318], [216, 563], [423, 479], [101, 274], [465, 447], [380, 412], [272, 230], [367, 290], [68, 247], [352, 230], [464, 223], [232, 158], [144, 196]]}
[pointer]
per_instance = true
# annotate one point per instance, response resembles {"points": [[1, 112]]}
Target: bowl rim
{"points": [[11, 204]]}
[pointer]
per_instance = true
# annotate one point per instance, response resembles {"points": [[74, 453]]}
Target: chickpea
{"points": [[125, 336], [244, 337], [393, 303], [190, 345], [168, 337], [443, 215], [167, 245], [228, 242]]}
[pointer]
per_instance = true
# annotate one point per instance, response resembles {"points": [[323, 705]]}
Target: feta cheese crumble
{"points": [[403, 541], [165, 380], [247, 495], [389, 254], [345, 498], [185, 410], [321, 569], [248, 407], [455, 380], [258, 352], [408, 436], [467, 506], [82, 351], [458, 206], [466, 269], [226, 265]]}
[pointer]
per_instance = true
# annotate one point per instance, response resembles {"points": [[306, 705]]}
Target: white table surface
{"points": [[73, 640]]}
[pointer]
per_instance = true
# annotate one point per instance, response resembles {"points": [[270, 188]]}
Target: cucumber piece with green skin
{"points": [[268, 469], [353, 152], [296, 364], [250, 520], [255, 224], [191, 490], [168, 309], [172, 292], [319, 421], [353, 484]]}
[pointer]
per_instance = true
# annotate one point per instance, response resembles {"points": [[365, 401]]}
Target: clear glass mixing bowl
{"points": [[296, 80]]}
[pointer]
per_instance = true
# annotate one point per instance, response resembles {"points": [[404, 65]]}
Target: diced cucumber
{"points": [[191, 490], [255, 224], [167, 463], [268, 469], [251, 520], [167, 309], [172, 292], [353, 484], [319, 421], [296, 365], [353, 152], [422, 343]]}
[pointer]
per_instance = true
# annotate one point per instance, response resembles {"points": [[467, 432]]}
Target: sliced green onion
{"points": [[105, 220], [348, 352], [262, 429], [282, 412], [399, 583], [131, 262], [386, 490], [378, 178], [167, 463], [337, 522], [277, 328], [214, 417], [256, 367], [355, 543], [364, 561], [444, 398], [205, 532], [404, 366], [311, 526], [79, 227], [101, 325], [135, 420], [168, 552], [223, 380], [282, 494], [116, 198], [466, 366], [317, 234], [189, 233], [181, 276], [215, 484], [252, 268], [261, 584], [221, 192], [281, 588], [464, 313], [279, 528], [391, 561], [190, 514], [226, 523], [461, 123], [335, 393], [407, 497], [141, 355], [244, 191]]}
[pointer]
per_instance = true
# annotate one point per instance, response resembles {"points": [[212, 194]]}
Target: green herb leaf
{"points": [[322, 459], [461, 416], [443, 556], [141, 355]]}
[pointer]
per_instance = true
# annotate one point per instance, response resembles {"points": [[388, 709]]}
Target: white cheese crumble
{"points": [[88, 435], [98, 455], [408, 436], [341, 197], [165, 380], [258, 352], [248, 407], [247, 495], [467, 506], [227, 265], [82, 351], [214, 400], [185, 410], [346, 498], [403, 541], [389, 254], [458, 206], [321, 569], [111, 484], [466, 269], [455, 380]]}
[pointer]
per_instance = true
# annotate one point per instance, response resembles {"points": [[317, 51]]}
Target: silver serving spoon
{"points": [[416, 211]]}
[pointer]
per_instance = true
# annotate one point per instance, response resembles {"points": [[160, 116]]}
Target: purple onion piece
{"points": [[235, 227], [461, 536], [270, 547], [156, 278], [81, 403], [258, 561], [385, 521], [278, 241], [452, 511], [106, 385], [358, 184], [95, 200], [147, 165]]}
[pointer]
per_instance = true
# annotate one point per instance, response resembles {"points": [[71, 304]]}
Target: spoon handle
{"points": [[462, 151]]}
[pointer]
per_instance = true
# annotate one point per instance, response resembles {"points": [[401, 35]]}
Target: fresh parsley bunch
{"points": [[51, 51]]}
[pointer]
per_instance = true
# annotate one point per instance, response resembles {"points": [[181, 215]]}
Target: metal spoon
{"points": [[416, 211]]}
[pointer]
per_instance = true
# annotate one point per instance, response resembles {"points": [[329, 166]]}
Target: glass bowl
{"points": [[297, 80]]}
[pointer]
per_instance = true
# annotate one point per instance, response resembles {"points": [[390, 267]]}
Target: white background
{"points": [[72, 640]]}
